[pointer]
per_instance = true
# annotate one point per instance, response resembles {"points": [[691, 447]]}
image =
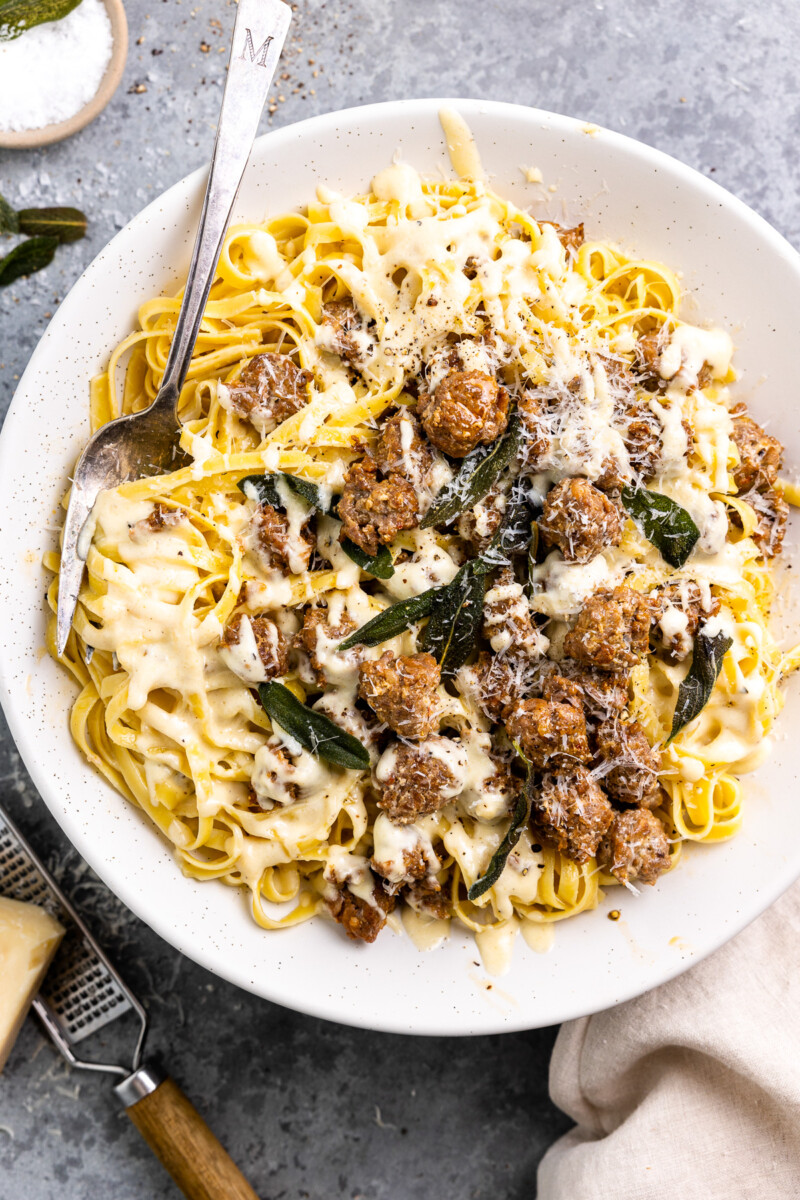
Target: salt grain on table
{"points": [[51, 71]]}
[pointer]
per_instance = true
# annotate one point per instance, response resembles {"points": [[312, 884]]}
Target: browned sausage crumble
{"points": [[164, 518], [373, 510], [693, 607], [549, 732], [613, 629], [755, 476], [426, 896], [466, 409], [401, 448], [348, 332], [635, 849], [507, 622], [570, 238], [478, 525], [362, 920], [760, 455], [579, 520], [572, 812], [630, 765], [501, 680], [602, 693], [270, 389], [536, 445], [272, 538], [418, 784], [402, 692]]}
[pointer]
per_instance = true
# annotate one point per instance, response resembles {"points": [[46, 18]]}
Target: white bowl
{"points": [[741, 275]]}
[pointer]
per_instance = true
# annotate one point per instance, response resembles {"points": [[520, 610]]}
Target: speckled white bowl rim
{"points": [[741, 274]]}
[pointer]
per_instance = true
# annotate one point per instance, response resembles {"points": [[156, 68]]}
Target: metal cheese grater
{"points": [[83, 993]]}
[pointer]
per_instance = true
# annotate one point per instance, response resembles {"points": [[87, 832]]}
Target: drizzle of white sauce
{"points": [[243, 657], [496, 946], [562, 588], [391, 844], [540, 936], [430, 566], [690, 348], [402, 183], [426, 932]]}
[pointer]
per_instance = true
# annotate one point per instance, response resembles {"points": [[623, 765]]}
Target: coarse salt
{"points": [[50, 72]]}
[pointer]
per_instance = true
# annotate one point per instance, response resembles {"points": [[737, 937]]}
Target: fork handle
{"points": [[258, 36], [180, 1138]]}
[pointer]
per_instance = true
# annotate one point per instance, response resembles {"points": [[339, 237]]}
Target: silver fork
{"points": [[146, 443]]}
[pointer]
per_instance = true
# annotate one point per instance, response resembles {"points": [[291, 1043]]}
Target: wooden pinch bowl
{"points": [[44, 136]]}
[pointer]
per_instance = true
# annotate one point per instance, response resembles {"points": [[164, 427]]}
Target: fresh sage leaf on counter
{"points": [[9, 221], [313, 730], [479, 471], [663, 522], [18, 15], [26, 258], [66, 224], [456, 618], [393, 620], [699, 683], [499, 859], [380, 565]]}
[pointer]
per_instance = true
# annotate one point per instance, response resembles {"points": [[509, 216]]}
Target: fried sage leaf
{"points": [[499, 859], [663, 522], [380, 565], [699, 683], [393, 620], [9, 221], [456, 618], [515, 531], [66, 224], [457, 608], [18, 15], [265, 489], [26, 258], [308, 491], [313, 730], [479, 471]]}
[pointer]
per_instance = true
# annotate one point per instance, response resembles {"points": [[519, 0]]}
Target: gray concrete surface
{"points": [[311, 1109]]}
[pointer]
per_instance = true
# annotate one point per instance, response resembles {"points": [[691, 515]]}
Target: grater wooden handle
{"points": [[180, 1138]]}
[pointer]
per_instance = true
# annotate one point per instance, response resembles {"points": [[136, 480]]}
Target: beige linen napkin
{"points": [[692, 1091]]}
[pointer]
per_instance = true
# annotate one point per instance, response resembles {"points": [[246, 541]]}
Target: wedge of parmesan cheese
{"points": [[29, 937]]}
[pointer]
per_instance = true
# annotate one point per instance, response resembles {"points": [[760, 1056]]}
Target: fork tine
{"points": [[71, 572]]}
